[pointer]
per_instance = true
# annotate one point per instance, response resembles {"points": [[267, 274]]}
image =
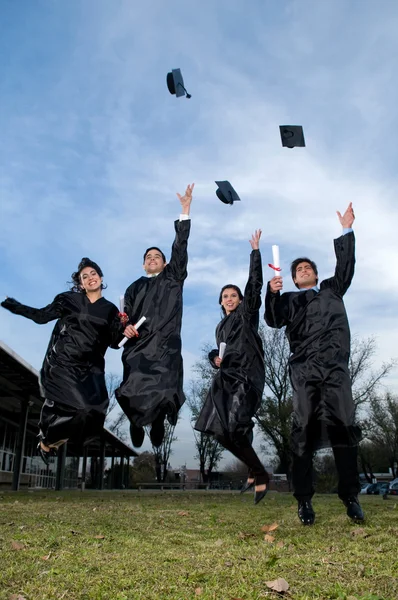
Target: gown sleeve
{"points": [[53, 311], [274, 310], [252, 296], [116, 328], [179, 255], [344, 248], [212, 355]]}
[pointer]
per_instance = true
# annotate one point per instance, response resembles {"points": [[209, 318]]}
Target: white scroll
{"points": [[221, 350], [137, 326]]}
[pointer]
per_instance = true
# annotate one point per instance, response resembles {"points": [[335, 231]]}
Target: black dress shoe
{"points": [[260, 495], [306, 512], [354, 509], [137, 435], [247, 486], [157, 432], [45, 455]]}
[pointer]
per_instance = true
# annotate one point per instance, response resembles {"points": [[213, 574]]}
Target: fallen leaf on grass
{"points": [[243, 536], [280, 544], [46, 557], [17, 597], [218, 543], [183, 513], [269, 538], [17, 545], [94, 509], [359, 531], [99, 537], [198, 591], [268, 528], [278, 585], [228, 563], [22, 527]]}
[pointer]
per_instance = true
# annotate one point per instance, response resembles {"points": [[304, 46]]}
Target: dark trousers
{"points": [[347, 469], [240, 446]]}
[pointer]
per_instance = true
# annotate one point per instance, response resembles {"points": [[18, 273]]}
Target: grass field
{"points": [[198, 545]]}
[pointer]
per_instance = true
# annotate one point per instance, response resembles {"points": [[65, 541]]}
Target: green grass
{"points": [[182, 545]]}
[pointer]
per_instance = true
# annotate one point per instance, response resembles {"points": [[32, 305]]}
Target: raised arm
{"points": [[38, 315], [274, 306], [252, 295], [179, 255], [344, 248]]}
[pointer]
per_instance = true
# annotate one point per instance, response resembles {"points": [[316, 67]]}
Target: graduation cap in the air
{"points": [[292, 135], [175, 83], [226, 192]]}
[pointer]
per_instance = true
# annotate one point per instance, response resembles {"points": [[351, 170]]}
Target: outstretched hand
{"points": [[186, 199], [348, 218], [255, 240]]}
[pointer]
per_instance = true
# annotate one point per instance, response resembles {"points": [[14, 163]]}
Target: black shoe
{"points": [[157, 432], [354, 509], [45, 455], [137, 435], [261, 480], [260, 495], [306, 512], [247, 486]]}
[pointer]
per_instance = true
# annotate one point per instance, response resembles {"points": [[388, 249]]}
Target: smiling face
{"points": [[90, 280], [305, 276], [230, 300], [153, 262]]}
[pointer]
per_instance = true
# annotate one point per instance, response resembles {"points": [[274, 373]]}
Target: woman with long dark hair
{"points": [[72, 377], [237, 387]]}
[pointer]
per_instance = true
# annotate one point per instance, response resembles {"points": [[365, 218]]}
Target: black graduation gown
{"points": [[319, 336], [72, 376], [237, 387], [152, 363]]}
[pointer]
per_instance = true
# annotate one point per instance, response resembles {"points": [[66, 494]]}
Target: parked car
{"points": [[393, 489], [381, 487], [365, 487]]}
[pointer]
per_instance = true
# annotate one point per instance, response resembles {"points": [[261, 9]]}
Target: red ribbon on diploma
{"points": [[275, 268]]}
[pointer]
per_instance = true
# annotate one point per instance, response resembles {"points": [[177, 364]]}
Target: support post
{"points": [[19, 450], [60, 475]]}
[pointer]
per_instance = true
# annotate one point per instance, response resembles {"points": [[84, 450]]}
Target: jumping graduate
{"points": [[237, 387], [72, 377], [319, 337], [152, 386]]}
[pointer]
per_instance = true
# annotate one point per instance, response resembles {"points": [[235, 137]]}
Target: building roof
{"points": [[19, 382]]}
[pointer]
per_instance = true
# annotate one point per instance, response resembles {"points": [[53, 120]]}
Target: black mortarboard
{"points": [[175, 83], [292, 135], [226, 192]]}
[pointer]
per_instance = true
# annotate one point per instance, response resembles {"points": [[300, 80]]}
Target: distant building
{"points": [[20, 467]]}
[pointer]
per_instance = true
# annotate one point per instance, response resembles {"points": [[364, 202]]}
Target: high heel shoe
{"points": [[45, 455], [247, 486], [259, 495]]}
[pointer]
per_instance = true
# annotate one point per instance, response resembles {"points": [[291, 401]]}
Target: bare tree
{"points": [[274, 418], [382, 428], [365, 380], [162, 453], [208, 450]]}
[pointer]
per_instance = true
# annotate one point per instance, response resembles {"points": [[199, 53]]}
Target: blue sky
{"points": [[94, 149]]}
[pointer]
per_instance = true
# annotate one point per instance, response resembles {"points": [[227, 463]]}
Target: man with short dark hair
{"points": [[152, 386], [319, 336]]}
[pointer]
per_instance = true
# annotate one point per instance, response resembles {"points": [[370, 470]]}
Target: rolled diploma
{"points": [[137, 326], [121, 303], [221, 350], [275, 259]]}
